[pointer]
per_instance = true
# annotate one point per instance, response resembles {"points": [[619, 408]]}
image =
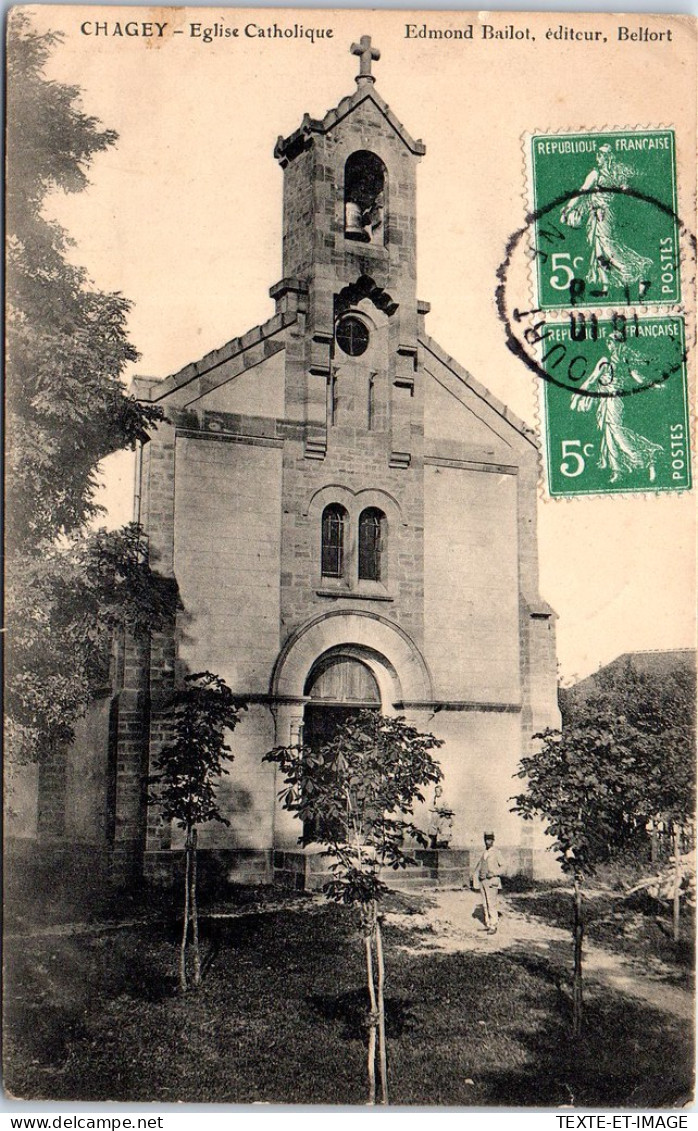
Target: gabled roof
{"points": [[259, 343], [250, 348], [520, 426], [287, 148]]}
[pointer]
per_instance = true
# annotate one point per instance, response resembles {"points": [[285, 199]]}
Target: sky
{"points": [[183, 217]]}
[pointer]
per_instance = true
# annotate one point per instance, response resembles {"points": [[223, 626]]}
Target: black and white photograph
{"points": [[350, 606]]}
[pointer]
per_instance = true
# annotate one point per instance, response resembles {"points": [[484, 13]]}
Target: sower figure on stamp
{"points": [[488, 871], [610, 260], [622, 450]]}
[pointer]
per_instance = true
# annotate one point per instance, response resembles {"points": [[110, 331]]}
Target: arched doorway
{"points": [[385, 649], [338, 687]]}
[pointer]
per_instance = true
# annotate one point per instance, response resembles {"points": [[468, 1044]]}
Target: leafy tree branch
{"points": [[355, 796]]}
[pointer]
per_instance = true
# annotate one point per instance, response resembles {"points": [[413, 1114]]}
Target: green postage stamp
{"points": [[615, 406], [606, 231]]}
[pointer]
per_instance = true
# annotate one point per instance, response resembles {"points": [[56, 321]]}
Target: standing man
{"points": [[489, 873]]}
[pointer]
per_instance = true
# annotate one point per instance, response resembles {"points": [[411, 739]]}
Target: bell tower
{"points": [[349, 265], [350, 517]]}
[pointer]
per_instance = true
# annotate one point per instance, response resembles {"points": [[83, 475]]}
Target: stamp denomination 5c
{"points": [[626, 428], [606, 232]]}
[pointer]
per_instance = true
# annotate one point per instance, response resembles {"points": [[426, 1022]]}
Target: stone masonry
{"points": [[265, 433]]}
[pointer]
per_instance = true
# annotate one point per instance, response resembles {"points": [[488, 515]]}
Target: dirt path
{"points": [[452, 921], [72, 929]]}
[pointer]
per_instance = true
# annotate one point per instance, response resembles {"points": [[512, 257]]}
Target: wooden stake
{"points": [[577, 1001], [382, 1046], [368, 937], [185, 925], [677, 882], [195, 911]]}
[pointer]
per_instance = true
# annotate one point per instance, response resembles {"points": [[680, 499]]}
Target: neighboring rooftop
{"points": [[653, 662]]}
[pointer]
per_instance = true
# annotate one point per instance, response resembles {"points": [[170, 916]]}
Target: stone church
{"points": [[351, 521]]}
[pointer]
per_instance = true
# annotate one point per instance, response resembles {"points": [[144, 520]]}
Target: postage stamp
{"points": [[626, 426], [606, 232]]}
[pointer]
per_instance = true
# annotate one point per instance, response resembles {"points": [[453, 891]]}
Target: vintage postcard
{"points": [[350, 748]]}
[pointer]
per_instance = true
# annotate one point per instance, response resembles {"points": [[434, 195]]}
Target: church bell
{"points": [[353, 223]]}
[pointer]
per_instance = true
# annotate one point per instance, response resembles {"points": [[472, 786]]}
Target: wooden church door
{"points": [[339, 689]]}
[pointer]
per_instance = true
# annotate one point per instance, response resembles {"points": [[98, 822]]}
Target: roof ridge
{"points": [[652, 652], [479, 389], [211, 360], [287, 147]]}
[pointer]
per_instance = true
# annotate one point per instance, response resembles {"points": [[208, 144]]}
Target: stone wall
{"points": [[21, 797], [89, 800], [355, 462], [479, 758], [471, 608], [246, 792], [257, 391], [227, 559]]}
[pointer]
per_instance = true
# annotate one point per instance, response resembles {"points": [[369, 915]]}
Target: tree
{"points": [[624, 758], [355, 796], [70, 603], [66, 410], [67, 345], [576, 783], [187, 771], [657, 710]]}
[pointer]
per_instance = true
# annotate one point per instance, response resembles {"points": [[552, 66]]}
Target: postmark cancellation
{"points": [[608, 330], [606, 231], [615, 406]]}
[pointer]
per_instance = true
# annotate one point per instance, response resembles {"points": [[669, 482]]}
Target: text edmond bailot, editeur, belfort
{"points": [[560, 33]]}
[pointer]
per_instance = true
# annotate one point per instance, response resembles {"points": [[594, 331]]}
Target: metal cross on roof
{"points": [[367, 54]]}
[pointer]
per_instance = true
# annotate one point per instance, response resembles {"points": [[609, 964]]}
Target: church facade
{"points": [[350, 518]]}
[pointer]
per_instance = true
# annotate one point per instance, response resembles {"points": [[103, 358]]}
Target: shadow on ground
{"points": [[629, 1054], [281, 1017], [352, 1008]]}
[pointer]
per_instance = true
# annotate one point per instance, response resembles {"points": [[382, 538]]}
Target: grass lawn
{"points": [[638, 927], [280, 1018]]}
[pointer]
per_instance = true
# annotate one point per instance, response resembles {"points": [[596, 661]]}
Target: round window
{"points": [[352, 336]]}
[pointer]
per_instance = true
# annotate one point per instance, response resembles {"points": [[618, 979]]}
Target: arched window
{"points": [[333, 525], [342, 681], [364, 197], [372, 529]]}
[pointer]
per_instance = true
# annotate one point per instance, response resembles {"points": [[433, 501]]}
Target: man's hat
{"points": [[488, 836]]}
